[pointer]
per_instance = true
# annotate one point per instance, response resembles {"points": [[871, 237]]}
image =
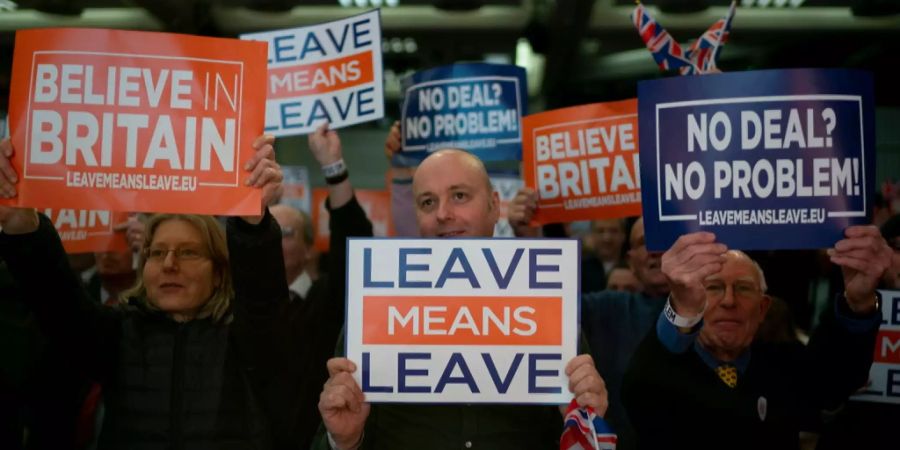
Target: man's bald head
{"points": [[454, 196], [441, 157]]}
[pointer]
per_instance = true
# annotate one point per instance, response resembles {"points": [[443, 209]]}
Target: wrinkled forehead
{"points": [[737, 267]]}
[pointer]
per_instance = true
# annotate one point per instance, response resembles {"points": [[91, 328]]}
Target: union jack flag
{"points": [[700, 58], [666, 51], [705, 50], [585, 430]]}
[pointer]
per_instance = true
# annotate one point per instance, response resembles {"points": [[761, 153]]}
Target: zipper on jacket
{"points": [[176, 409]]}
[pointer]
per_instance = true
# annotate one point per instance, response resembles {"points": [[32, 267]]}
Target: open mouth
{"points": [[455, 233]]}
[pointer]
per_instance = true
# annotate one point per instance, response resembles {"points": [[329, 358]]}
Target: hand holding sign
{"points": [[587, 384], [691, 259], [8, 178], [342, 405], [13, 220], [325, 145], [521, 211], [863, 256], [265, 173], [393, 146], [393, 143]]}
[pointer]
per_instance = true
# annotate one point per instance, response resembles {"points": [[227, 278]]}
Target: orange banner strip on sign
{"points": [[322, 77], [400, 320]]}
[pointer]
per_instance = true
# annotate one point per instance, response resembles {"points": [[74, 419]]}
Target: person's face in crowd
{"points": [[296, 252], [114, 263], [735, 306], [453, 197], [647, 266], [623, 280], [178, 273], [891, 278], [608, 237]]}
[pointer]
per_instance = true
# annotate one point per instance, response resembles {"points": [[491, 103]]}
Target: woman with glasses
{"points": [[189, 358]]}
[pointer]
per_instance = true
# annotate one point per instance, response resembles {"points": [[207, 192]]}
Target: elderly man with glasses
{"points": [[699, 380]]}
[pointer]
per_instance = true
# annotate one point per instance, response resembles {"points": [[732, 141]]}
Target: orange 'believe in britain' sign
{"points": [[136, 121], [583, 162]]}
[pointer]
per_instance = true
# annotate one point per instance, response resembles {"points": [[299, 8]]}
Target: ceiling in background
{"points": [[577, 51]]}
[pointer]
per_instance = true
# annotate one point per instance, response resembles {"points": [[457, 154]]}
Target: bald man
{"points": [[699, 380], [453, 199]]}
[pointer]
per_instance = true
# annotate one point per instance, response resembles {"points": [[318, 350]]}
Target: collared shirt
{"points": [[301, 285], [741, 363]]}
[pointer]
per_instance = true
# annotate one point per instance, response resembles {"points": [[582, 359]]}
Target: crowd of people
{"points": [[220, 334]]}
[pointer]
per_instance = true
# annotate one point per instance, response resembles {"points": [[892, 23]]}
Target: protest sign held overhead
{"points": [[462, 320], [583, 162], [329, 72], [776, 159], [88, 231], [141, 121], [884, 376], [474, 107]]}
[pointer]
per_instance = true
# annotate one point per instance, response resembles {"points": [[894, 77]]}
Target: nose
{"points": [[445, 211], [170, 262], [728, 298]]}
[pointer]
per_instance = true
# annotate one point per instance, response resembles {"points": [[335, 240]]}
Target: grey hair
{"points": [[762, 276]]}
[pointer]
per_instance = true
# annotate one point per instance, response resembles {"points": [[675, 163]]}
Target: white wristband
{"points": [[681, 321], [334, 169]]}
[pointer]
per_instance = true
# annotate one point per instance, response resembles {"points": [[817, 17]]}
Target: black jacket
{"points": [[316, 322], [677, 401], [168, 385]]}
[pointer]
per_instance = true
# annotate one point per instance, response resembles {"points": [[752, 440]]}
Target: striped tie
{"points": [[728, 374]]}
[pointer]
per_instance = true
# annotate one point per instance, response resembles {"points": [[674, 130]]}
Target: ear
{"points": [[495, 205], [764, 305]]}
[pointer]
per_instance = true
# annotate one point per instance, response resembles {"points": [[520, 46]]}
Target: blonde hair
{"points": [[218, 306]]}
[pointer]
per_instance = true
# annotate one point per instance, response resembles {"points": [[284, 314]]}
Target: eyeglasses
{"points": [[183, 254], [741, 289]]}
